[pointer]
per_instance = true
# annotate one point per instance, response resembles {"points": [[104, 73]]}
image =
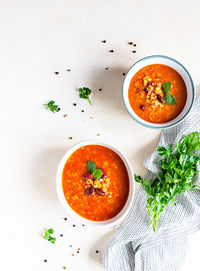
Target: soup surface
{"points": [[95, 206], [147, 98]]}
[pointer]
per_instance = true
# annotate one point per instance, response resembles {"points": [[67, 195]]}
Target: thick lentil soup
{"points": [[157, 93], [95, 182]]}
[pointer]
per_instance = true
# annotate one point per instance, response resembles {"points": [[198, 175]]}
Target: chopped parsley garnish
{"points": [[176, 176], [168, 98], [84, 93], [52, 106], [48, 236]]}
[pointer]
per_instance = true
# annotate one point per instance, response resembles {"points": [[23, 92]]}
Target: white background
{"points": [[38, 38]]}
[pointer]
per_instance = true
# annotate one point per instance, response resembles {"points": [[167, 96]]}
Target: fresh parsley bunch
{"points": [[178, 169]]}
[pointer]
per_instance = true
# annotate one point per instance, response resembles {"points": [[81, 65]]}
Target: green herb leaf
{"points": [[84, 93], [138, 179], [47, 235], [91, 166], [52, 106], [97, 173], [170, 99], [165, 152], [191, 142], [166, 87], [51, 231], [177, 175]]}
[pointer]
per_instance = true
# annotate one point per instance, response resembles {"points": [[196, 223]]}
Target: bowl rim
{"points": [[149, 125], [64, 202]]}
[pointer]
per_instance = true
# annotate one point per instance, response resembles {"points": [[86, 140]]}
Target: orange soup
{"points": [[157, 93], [95, 182]]}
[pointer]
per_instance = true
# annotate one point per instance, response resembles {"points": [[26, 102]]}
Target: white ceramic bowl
{"points": [[61, 196], [159, 59]]}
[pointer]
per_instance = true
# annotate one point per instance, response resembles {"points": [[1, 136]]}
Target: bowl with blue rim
{"points": [[180, 69]]}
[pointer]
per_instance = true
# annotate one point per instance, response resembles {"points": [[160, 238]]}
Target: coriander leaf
{"points": [[166, 87], [192, 142], [138, 179], [91, 166], [179, 171], [188, 143], [84, 93], [168, 178], [52, 106], [97, 173], [145, 183], [147, 186], [165, 152], [191, 161], [170, 99], [182, 160], [50, 231], [47, 235]]}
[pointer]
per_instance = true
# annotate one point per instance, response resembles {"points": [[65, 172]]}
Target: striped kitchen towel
{"points": [[135, 246]]}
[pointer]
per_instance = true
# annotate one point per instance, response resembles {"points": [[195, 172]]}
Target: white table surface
{"points": [[38, 38]]}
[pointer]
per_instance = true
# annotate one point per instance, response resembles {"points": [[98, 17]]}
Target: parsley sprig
{"points": [[48, 236], [96, 172], [84, 93], [52, 106], [178, 169], [168, 97]]}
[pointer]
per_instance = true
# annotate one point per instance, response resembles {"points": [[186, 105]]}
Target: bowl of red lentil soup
{"points": [[158, 92], [95, 183]]}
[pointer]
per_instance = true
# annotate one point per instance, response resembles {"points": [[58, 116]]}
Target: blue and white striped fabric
{"points": [[135, 246]]}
